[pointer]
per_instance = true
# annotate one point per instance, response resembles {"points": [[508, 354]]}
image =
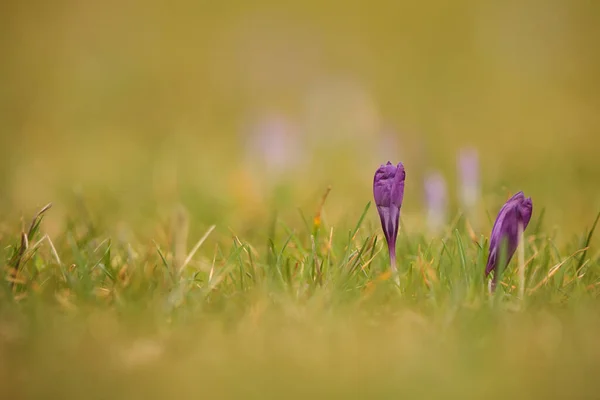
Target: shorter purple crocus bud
{"points": [[388, 191], [436, 197], [512, 220]]}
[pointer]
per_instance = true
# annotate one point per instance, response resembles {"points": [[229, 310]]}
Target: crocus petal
{"points": [[517, 211], [389, 222]]}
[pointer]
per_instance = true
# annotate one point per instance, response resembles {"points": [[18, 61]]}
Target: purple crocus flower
{"points": [[437, 199], [512, 219], [388, 190]]}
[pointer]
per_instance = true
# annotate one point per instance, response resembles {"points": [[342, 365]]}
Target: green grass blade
{"points": [[587, 243]]}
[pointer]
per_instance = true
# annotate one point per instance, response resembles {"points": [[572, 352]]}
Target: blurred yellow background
{"points": [[135, 106]]}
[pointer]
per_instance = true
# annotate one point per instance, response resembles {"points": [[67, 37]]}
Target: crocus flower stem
{"points": [[394, 266]]}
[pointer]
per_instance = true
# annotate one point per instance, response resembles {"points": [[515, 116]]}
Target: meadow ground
{"points": [[183, 257], [298, 314]]}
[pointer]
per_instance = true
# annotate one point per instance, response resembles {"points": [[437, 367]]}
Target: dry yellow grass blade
{"points": [[554, 270], [197, 246]]}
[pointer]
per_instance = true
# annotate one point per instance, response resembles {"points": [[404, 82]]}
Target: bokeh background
{"points": [[127, 108]]}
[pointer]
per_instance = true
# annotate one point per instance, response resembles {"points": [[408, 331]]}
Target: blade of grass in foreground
{"points": [[463, 258], [166, 268], [587, 243]]}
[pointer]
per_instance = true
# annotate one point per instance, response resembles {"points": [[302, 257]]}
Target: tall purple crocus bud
{"points": [[436, 197], [512, 220], [388, 190], [468, 171]]}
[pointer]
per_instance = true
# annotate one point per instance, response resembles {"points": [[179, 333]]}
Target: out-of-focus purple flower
{"points": [[512, 219], [340, 113], [388, 191], [274, 145], [468, 172], [436, 196], [388, 144]]}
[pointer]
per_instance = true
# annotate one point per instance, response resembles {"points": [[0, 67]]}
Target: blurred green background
{"points": [[135, 116], [135, 106]]}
